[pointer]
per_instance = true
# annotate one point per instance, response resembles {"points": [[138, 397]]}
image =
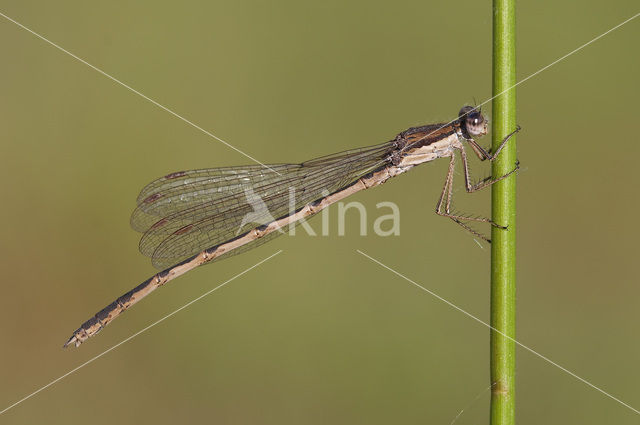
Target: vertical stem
{"points": [[503, 204]]}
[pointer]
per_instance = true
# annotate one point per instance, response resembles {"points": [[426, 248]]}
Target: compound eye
{"points": [[474, 119], [475, 123]]}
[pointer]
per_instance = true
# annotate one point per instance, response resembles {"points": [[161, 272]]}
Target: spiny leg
{"points": [[488, 181], [503, 143], [483, 154], [483, 183], [447, 191], [470, 188]]}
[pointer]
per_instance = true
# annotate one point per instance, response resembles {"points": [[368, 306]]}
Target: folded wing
{"points": [[186, 212]]}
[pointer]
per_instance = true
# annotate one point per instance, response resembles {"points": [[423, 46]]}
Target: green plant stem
{"points": [[503, 204]]}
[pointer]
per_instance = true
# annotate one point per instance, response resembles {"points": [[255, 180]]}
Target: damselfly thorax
{"points": [[190, 218]]}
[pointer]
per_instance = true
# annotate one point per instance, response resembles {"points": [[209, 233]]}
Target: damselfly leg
{"points": [[444, 208], [483, 154]]}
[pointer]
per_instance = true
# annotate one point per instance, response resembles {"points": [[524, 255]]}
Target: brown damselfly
{"points": [[190, 218]]}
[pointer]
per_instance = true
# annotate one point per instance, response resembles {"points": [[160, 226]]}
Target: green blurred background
{"points": [[318, 334]]}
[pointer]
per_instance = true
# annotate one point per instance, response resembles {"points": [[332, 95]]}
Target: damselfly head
{"points": [[472, 121]]}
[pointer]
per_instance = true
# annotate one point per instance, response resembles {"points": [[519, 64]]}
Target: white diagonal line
{"points": [[544, 68], [480, 394], [175, 114], [91, 360], [449, 303]]}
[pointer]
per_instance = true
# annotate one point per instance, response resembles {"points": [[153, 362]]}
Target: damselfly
{"points": [[190, 218]]}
